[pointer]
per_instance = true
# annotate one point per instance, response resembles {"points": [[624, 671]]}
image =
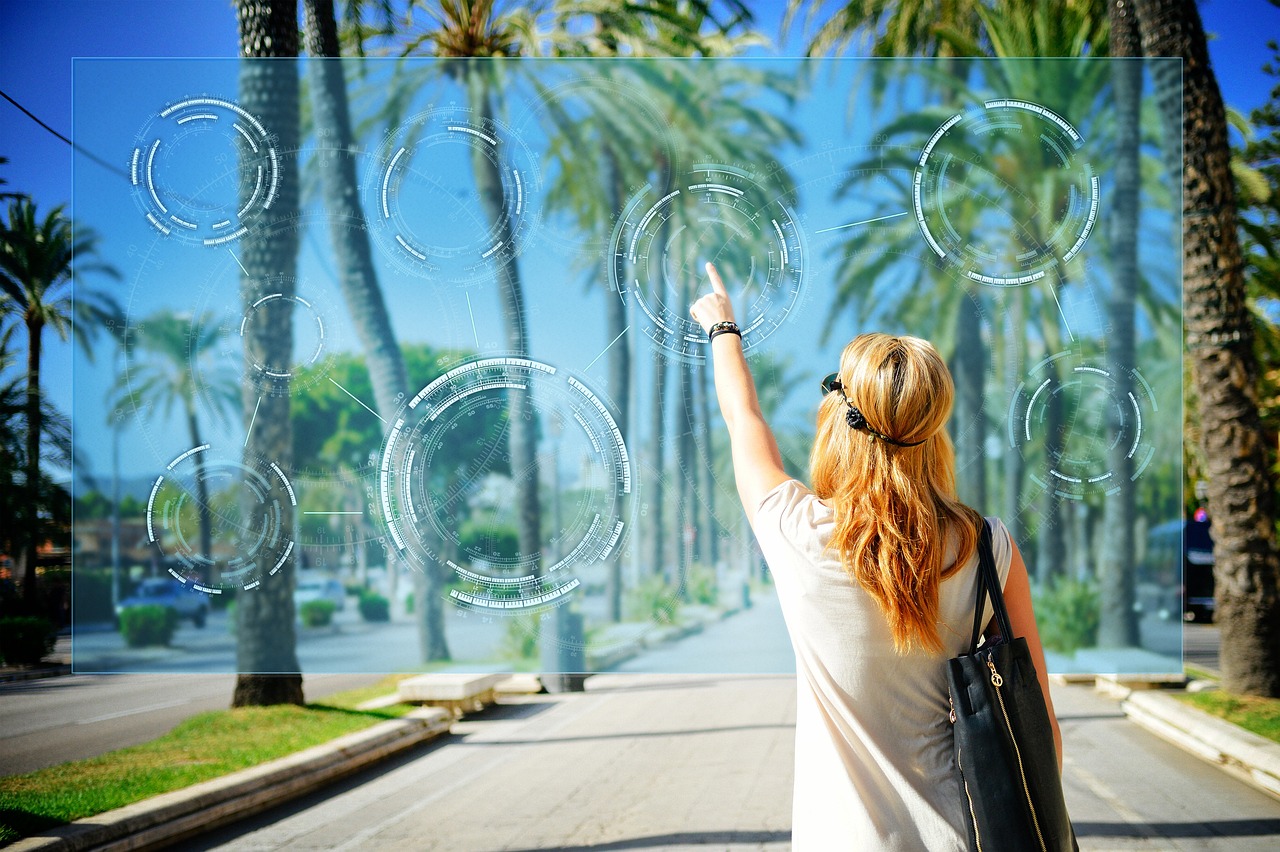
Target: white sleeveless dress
{"points": [[874, 766]]}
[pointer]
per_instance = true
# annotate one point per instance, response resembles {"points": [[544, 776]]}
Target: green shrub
{"points": [[653, 600], [700, 587], [520, 638], [25, 640], [148, 625], [1068, 615], [408, 603], [91, 595], [374, 607], [317, 613], [490, 538]]}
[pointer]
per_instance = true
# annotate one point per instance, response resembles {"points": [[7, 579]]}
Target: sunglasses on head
{"points": [[832, 383]]}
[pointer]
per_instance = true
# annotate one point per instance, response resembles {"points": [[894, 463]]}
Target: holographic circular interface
{"points": [[237, 326], [450, 496], [451, 196], [1005, 193], [190, 164], [220, 524], [1089, 412], [720, 214]]}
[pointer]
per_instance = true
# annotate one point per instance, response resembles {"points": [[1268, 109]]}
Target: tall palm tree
{"points": [[1118, 626], [266, 646], [1219, 335], [171, 365], [356, 273], [36, 274]]}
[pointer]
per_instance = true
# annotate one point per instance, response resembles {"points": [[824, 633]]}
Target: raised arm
{"points": [[757, 464]]}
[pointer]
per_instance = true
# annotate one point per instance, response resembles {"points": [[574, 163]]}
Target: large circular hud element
{"points": [[451, 195], [453, 497], [241, 507], [203, 169], [1069, 416], [719, 214], [1005, 193]]}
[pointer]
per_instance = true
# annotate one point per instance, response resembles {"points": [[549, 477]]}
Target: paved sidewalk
{"points": [[698, 762]]}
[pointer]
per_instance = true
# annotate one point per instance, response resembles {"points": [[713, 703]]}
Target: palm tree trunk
{"points": [[1051, 549], [265, 637], [357, 276], [657, 451], [619, 376], [1220, 339], [31, 525], [202, 490], [1118, 626], [970, 370], [521, 431]]}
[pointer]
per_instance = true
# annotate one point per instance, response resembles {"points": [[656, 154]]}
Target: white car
{"points": [[317, 590]]}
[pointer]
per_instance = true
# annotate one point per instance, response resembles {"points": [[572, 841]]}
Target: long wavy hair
{"points": [[895, 507]]}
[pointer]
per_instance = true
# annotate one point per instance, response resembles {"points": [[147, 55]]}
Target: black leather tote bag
{"points": [[1003, 740]]}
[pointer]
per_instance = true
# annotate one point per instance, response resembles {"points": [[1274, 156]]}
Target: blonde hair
{"points": [[895, 507]]}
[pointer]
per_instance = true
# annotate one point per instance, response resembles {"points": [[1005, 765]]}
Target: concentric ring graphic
{"points": [[450, 495], [1069, 414], [1006, 193], [219, 524], [453, 195], [720, 214], [190, 163]]}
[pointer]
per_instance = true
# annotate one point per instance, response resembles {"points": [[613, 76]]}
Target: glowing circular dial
{"points": [[449, 489], [1070, 415], [203, 169], [219, 524], [1005, 193], [720, 214], [451, 195]]}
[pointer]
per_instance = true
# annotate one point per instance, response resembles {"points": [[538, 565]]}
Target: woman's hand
{"points": [[715, 306]]}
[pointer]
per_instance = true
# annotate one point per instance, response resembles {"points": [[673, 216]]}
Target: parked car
{"points": [[315, 590], [1197, 569], [171, 594], [1190, 544]]}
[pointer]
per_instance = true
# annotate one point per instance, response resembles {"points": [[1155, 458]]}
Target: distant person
{"points": [[876, 570]]}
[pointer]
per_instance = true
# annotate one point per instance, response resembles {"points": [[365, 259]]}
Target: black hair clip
{"points": [[854, 418]]}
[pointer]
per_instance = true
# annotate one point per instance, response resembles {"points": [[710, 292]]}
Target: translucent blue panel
{"points": [[431, 397]]}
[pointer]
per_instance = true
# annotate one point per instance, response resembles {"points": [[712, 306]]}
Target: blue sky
{"points": [[39, 39]]}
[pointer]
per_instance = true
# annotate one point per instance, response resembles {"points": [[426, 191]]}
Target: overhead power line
{"points": [[78, 149]]}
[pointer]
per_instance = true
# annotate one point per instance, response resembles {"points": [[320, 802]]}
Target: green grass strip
{"points": [[206, 746], [1259, 715]]}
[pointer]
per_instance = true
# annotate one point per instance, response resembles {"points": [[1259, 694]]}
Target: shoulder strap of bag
{"points": [[988, 583]]}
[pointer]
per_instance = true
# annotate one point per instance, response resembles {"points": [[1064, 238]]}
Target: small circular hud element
{"points": [[449, 493], [237, 329], [188, 167], [1005, 193], [243, 508], [1085, 408], [723, 215], [451, 195]]}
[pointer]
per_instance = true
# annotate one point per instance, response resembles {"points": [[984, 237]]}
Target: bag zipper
{"points": [[997, 681], [977, 837]]}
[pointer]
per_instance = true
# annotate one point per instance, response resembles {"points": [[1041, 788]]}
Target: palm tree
{"points": [[1219, 335], [357, 275], [1118, 626], [170, 364], [266, 641], [36, 275]]}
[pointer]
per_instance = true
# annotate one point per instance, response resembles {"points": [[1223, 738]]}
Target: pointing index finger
{"points": [[716, 284]]}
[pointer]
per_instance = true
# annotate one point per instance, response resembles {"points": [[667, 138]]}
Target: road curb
{"points": [[14, 675], [1249, 757], [170, 817]]}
